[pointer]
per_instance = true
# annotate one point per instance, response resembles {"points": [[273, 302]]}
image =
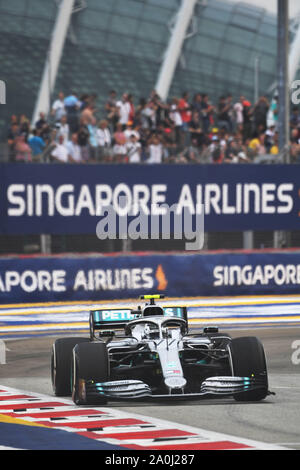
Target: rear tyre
{"points": [[61, 364], [247, 358], [90, 362]]}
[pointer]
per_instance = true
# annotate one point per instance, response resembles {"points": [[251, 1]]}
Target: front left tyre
{"points": [[61, 364], [90, 365]]}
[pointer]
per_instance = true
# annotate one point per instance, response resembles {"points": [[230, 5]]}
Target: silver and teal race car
{"points": [[148, 353]]}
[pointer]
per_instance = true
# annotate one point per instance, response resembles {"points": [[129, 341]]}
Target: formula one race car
{"points": [[154, 356]]}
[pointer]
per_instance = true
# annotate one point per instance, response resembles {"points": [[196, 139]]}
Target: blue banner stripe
{"points": [[96, 279], [65, 199]]}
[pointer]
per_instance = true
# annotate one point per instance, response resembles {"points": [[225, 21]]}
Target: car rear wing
{"points": [[117, 318]]}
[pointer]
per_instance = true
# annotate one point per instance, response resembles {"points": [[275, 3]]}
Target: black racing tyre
{"points": [[61, 364], [90, 362], [247, 359]]}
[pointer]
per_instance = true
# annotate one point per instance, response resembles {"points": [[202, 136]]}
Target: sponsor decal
{"points": [[128, 276], [31, 281], [67, 200], [249, 275], [229, 199], [174, 312], [113, 315]]}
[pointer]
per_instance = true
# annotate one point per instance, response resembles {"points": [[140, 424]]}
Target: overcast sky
{"points": [[271, 5]]}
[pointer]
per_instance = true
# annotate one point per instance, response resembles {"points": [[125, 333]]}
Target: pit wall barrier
{"points": [[94, 277]]}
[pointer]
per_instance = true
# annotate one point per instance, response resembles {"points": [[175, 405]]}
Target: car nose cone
{"points": [[175, 382]]}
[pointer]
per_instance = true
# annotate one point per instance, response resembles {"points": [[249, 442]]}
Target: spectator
{"points": [[216, 150], [230, 112], [207, 113], [24, 126], [161, 109], [60, 153], [37, 145], [93, 140], [197, 104], [92, 100], [274, 150], [72, 102], [247, 114], [205, 154], [119, 148], [43, 127], [176, 132], [191, 154], [295, 136], [224, 137], [257, 145], [124, 110], [74, 150], [13, 133], [224, 107], [72, 107], [133, 149], [241, 157], [131, 116], [83, 139], [85, 101], [195, 129], [138, 113], [177, 122], [58, 108], [186, 115], [22, 149], [239, 115], [185, 111], [260, 112], [272, 115], [63, 129], [232, 148], [130, 130], [42, 122], [155, 150], [269, 138], [112, 112], [87, 115], [104, 140], [148, 115], [111, 102], [295, 118], [170, 151], [295, 150], [14, 120]]}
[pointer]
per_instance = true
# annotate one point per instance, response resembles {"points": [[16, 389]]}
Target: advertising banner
{"points": [[49, 279], [70, 199]]}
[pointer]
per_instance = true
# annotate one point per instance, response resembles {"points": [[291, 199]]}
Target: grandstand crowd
{"points": [[187, 129]]}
